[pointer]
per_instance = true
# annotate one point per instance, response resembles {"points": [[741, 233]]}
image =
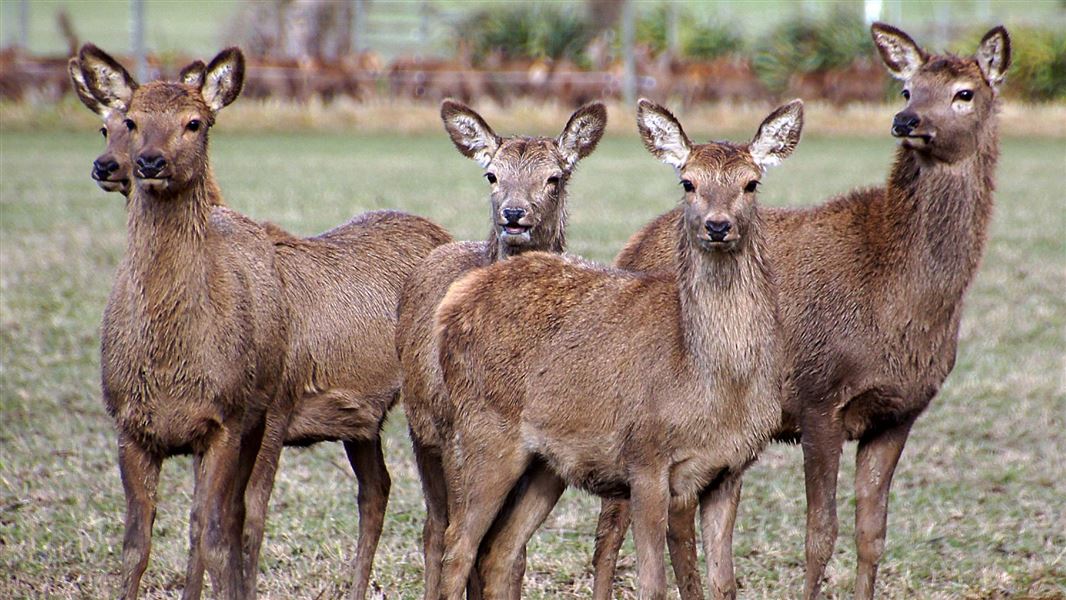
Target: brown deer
{"points": [[528, 178], [646, 385], [223, 337], [111, 170], [871, 286]]}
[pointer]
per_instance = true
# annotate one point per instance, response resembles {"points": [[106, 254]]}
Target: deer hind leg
{"points": [[368, 462], [140, 478], [431, 471], [681, 542], [718, 514], [875, 463], [257, 496], [822, 439], [504, 548], [194, 569], [650, 499], [477, 491], [610, 533]]}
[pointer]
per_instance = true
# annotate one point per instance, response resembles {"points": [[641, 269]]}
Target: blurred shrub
{"points": [[807, 45], [1038, 62], [704, 40], [526, 31]]}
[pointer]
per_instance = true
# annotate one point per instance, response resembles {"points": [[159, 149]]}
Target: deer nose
{"points": [[717, 229], [149, 166], [904, 123], [102, 167], [513, 215]]}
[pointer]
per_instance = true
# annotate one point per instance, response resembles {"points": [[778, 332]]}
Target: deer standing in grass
{"points": [[224, 337], [650, 385], [528, 178], [871, 286]]}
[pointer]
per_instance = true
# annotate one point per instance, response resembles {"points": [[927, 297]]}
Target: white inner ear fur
{"points": [[214, 82], [774, 142], [113, 84], [905, 56], [577, 137], [667, 138], [990, 59], [482, 144]]}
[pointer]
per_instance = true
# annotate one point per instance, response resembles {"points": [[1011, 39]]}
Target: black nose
{"points": [[717, 229], [513, 215], [150, 166], [102, 167], [904, 123]]}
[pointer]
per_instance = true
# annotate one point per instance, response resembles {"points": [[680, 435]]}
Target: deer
{"points": [[871, 286], [528, 178], [224, 337], [111, 170], [649, 386]]}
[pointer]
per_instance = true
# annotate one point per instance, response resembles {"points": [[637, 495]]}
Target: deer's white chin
{"points": [[154, 185], [514, 236]]}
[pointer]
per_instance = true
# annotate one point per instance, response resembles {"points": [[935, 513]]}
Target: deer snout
{"points": [[513, 215], [103, 167], [904, 124], [149, 166], [717, 230]]}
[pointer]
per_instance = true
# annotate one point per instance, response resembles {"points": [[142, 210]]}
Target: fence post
{"points": [[140, 65], [24, 25], [359, 26], [673, 37], [629, 64]]}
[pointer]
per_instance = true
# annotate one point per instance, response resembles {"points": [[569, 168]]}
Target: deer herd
{"points": [[653, 383]]}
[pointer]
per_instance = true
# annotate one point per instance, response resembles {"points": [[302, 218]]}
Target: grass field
{"points": [[977, 509]]}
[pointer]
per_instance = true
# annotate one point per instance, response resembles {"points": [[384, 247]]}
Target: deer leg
{"points": [[475, 502], [650, 499], [718, 513], [140, 477], [681, 541], [368, 462], [610, 533], [194, 569], [505, 545], [821, 443], [435, 492], [228, 464], [875, 463], [257, 496]]}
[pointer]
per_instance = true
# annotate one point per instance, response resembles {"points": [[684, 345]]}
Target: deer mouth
{"points": [[154, 184], [514, 233], [916, 141], [727, 244], [114, 185]]}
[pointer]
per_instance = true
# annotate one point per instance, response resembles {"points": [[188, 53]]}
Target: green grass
{"points": [[977, 508]]}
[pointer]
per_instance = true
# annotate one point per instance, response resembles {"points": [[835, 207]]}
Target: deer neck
{"points": [[548, 236], [936, 217], [727, 303]]}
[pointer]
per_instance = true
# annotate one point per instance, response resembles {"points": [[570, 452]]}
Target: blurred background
{"points": [[568, 51]]}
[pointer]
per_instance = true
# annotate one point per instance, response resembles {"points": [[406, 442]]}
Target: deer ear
{"points": [[993, 55], [902, 56], [662, 134], [105, 79], [582, 132], [77, 80], [193, 74], [470, 133], [778, 135], [223, 79]]}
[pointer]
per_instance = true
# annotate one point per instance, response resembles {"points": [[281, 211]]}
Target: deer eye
{"points": [[103, 132], [193, 125], [906, 94], [491, 177], [688, 185], [752, 185], [130, 124], [964, 95], [553, 180]]}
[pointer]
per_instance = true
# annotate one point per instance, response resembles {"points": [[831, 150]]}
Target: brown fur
{"points": [[219, 329], [647, 385], [521, 167], [871, 286]]}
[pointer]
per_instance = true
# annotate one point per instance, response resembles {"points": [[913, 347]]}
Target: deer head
{"points": [[528, 176], [719, 178], [950, 99], [167, 122]]}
